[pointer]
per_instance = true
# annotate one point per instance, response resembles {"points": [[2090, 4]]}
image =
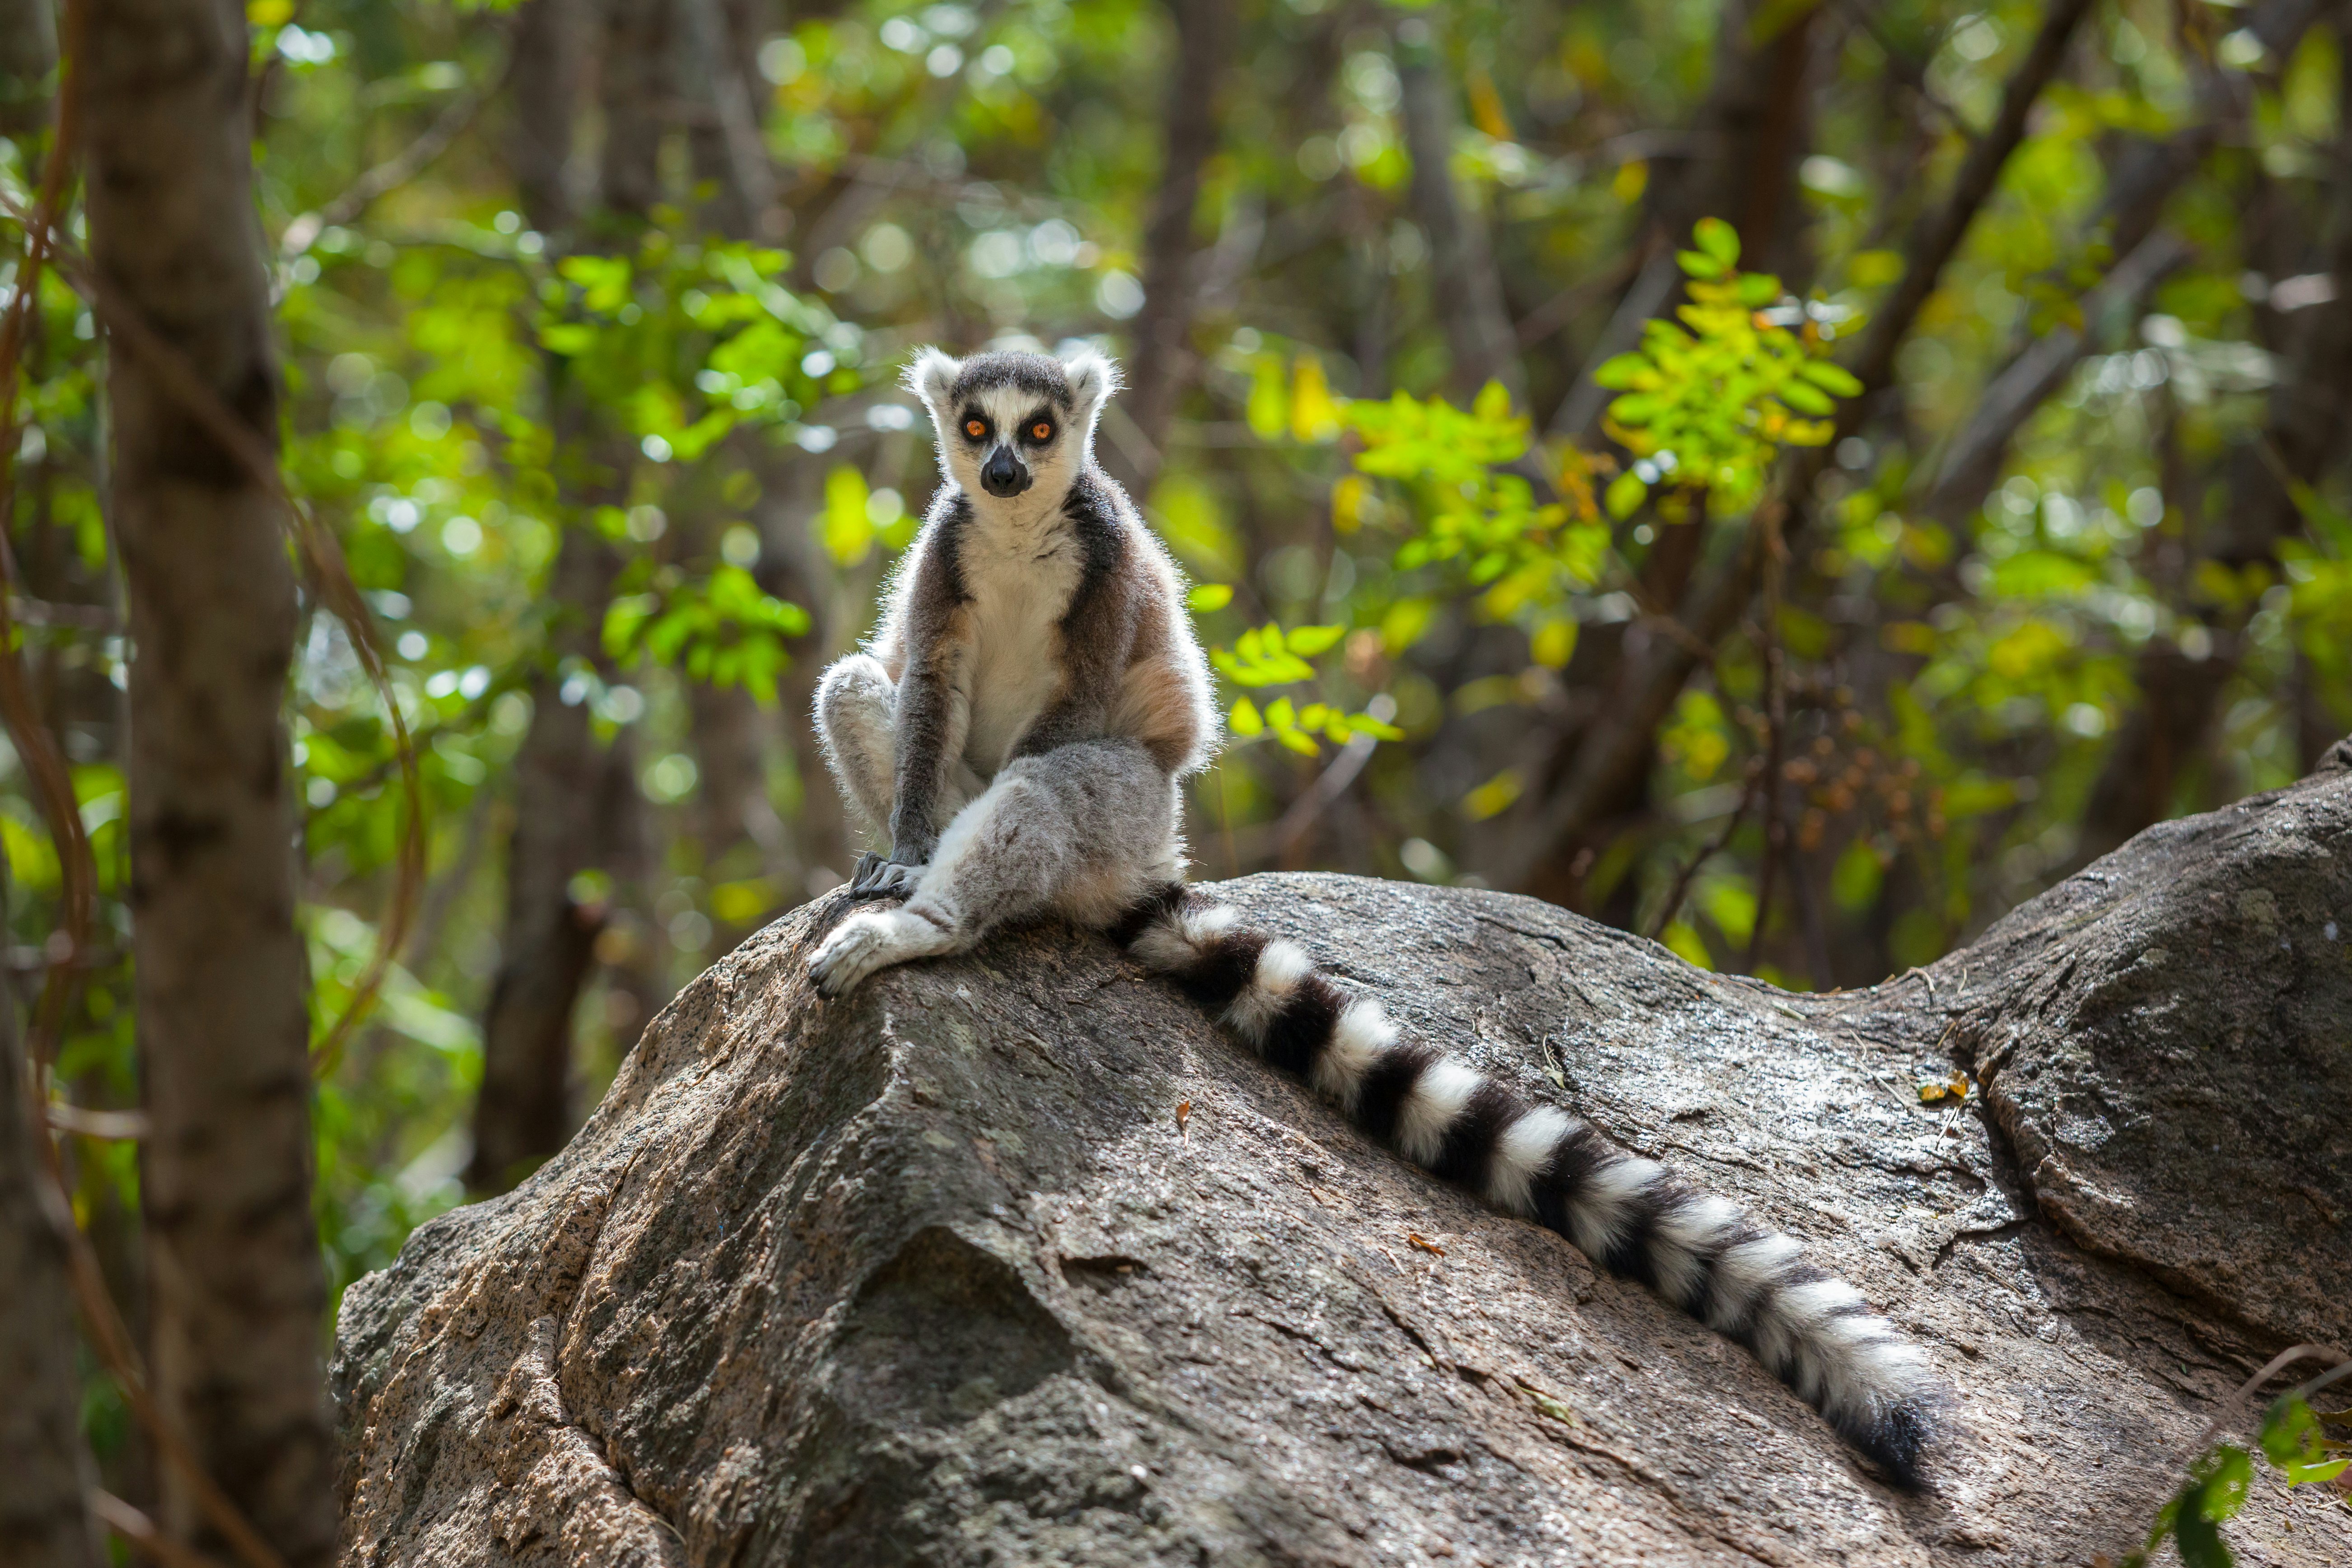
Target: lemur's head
{"points": [[1007, 422]]}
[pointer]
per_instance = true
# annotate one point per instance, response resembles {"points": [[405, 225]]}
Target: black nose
{"points": [[1004, 474]]}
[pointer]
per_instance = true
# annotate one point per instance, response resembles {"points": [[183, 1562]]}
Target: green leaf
{"points": [[2290, 1431], [1299, 741], [1622, 372], [848, 531], [1758, 290], [1245, 719], [1831, 376], [1807, 399], [2291, 1437], [1625, 496], [1310, 641], [569, 338], [1207, 596], [1718, 239], [1700, 266], [1638, 408], [2227, 1477], [1553, 643]]}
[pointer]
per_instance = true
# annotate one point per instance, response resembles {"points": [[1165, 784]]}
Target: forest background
{"points": [[1794, 478]]}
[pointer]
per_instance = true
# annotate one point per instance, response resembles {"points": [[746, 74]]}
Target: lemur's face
{"points": [[1009, 423]]}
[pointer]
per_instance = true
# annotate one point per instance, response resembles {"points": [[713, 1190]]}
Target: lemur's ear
{"points": [[932, 375], [1093, 379]]}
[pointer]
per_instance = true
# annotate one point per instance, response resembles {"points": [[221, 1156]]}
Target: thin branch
{"points": [[1776, 721], [139, 1531], [1328, 786], [1612, 756], [397, 170], [1973, 460], [1939, 234], [48, 613], [122, 1126], [325, 558], [1707, 851], [1561, 308], [51, 780]]}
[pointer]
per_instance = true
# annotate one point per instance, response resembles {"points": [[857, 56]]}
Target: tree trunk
{"points": [[632, 78], [576, 796], [723, 138], [1465, 291], [544, 88], [1160, 364], [2110, 310], [43, 1468], [1016, 1258], [733, 823], [794, 567], [28, 63], [1747, 138], [224, 1034], [2301, 440], [1556, 836], [522, 1113]]}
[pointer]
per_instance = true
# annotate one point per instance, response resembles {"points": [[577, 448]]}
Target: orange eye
{"points": [[1040, 431], [975, 428]]}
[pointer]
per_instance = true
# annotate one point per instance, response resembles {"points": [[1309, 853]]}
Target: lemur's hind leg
{"points": [[856, 721], [856, 709], [1084, 830]]}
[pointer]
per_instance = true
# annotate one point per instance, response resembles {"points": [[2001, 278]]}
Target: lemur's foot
{"points": [[877, 877], [873, 940]]}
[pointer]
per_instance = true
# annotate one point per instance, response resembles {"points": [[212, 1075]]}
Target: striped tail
{"points": [[1812, 1330]]}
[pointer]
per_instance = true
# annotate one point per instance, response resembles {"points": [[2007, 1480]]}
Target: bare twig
{"points": [[1707, 851], [51, 781], [48, 613], [1972, 462], [1328, 786], [128, 1126], [333, 582], [1776, 727], [139, 1531], [397, 170], [1618, 747], [2235, 1404], [1561, 308]]}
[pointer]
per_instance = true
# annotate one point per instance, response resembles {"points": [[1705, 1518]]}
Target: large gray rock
{"points": [[1016, 1260]]}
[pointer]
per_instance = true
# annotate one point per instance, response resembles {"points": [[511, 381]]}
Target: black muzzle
{"points": [[1004, 474]]}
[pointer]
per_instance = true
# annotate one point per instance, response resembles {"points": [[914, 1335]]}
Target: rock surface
{"points": [[1015, 1259]]}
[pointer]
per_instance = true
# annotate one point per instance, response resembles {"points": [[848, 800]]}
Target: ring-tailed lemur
{"points": [[1021, 723]]}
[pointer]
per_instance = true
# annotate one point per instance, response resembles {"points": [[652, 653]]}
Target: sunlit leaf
{"points": [[1718, 239]]}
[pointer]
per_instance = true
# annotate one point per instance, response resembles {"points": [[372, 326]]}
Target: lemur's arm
{"points": [[934, 698]]}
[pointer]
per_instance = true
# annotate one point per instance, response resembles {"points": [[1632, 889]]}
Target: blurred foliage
{"points": [[1438, 588], [2291, 1438]]}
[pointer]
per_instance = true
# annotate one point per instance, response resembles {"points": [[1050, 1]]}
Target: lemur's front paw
{"points": [[873, 940], [877, 877]]}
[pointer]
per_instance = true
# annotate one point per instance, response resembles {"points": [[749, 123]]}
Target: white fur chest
{"points": [[1020, 573]]}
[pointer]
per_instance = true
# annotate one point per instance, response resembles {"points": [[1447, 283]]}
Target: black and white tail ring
{"points": [[1630, 1214]]}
